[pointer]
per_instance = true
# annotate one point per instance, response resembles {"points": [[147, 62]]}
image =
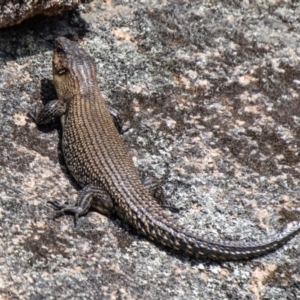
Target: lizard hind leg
{"points": [[155, 189], [89, 197]]}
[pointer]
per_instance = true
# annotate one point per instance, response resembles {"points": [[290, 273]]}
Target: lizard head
{"points": [[74, 71]]}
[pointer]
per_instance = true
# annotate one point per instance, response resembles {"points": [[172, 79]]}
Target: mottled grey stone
{"points": [[13, 12], [210, 92]]}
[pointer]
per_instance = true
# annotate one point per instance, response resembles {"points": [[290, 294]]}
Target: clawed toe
{"points": [[65, 207], [57, 205]]}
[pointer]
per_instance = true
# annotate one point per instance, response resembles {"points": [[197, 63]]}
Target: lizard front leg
{"points": [[53, 109]]}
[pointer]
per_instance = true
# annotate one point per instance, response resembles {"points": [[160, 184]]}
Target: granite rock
{"points": [[13, 12], [210, 91]]}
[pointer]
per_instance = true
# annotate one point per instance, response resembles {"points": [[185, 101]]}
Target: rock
{"points": [[14, 12], [211, 94]]}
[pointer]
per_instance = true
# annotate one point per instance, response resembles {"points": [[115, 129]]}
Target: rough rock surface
{"points": [[15, 11], [211, 92]]}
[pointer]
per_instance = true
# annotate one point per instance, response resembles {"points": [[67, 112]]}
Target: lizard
{"points": [[99, 161]]}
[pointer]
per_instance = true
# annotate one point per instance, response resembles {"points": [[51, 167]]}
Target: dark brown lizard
{"points": [[99, 161]]}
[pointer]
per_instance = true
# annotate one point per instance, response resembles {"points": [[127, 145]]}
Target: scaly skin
{"points": [[99, 161]]}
